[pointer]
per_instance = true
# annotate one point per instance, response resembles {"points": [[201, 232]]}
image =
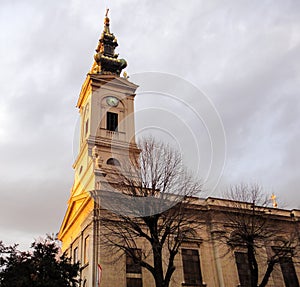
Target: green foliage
{"points": [[40, 267]]}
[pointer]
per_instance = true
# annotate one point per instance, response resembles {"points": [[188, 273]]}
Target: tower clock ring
{"points": [[112, 101]]}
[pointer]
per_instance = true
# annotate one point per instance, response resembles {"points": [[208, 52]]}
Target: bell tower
{"points": [[107, 139], [106, 107]]}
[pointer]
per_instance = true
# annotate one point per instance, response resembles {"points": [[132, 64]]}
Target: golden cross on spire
{"points": [[106, 22]]}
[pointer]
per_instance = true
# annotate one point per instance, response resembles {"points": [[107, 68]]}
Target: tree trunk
{"points": [[252, 265], [158, 266]]}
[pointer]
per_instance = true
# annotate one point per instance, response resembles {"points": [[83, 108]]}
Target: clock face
{"points": [[112, 101]]}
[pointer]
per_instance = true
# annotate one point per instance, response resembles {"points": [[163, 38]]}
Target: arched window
{"points": [[85, 122], [113, 161]]}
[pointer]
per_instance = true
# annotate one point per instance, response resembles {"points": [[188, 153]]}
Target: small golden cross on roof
{"points": [[107, 9], [273, 198]]}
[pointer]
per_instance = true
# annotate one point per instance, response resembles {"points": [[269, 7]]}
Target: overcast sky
{"points": [[243, 55]]}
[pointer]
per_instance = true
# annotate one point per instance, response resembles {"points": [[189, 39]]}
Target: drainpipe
{"points": [[95, 241]]}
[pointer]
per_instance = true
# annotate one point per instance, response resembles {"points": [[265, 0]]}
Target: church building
{"points": [[107, 138]]}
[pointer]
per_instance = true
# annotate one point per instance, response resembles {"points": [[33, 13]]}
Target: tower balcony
{"points": [[117, 135]]}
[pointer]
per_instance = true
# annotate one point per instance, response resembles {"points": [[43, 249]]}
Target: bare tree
{"points": [[150, 202], [252, 226]]}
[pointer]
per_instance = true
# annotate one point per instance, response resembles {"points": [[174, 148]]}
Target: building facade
{"points": [[107, 138]]}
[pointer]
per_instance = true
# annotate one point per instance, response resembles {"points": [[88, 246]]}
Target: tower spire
{"points": [[105, 57]]}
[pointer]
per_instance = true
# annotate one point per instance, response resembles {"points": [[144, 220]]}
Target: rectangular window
{"points": [[131, 265], [288, 272], [86, 250], [241, 260], [134, 282], [191, 267], [112, 122], [75, 255]]}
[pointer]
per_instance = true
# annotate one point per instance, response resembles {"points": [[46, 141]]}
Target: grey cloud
{"points": [[243, 54]]}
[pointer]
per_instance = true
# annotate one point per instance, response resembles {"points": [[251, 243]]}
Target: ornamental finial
{"points": [[106, 59], [106, 22]]}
